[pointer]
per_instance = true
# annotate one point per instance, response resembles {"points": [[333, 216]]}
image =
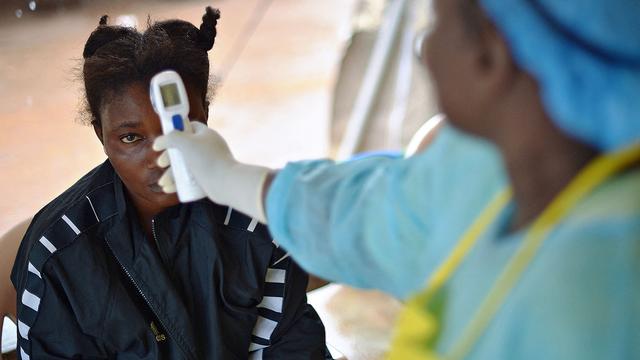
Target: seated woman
{"points": [[115, 268]]}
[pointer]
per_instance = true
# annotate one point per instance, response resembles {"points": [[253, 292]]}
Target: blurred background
{"points": [[297, 79], [278, 58]]}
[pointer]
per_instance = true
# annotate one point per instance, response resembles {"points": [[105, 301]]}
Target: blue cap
{"points": [[585, 55]]}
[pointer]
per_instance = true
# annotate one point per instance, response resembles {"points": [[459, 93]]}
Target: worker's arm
{"points": [[367, 223], [335, 225]]}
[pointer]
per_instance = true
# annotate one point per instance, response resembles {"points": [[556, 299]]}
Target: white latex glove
{"points": [[224, 179], [167, 181]]}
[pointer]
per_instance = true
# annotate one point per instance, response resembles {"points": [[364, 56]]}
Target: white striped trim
{"points": [[23, 329], [48, 244], [254, 347], [256, 355], [71, 224], [30, 300], [23, 355], [275, 276], [252, 225], [32, 269], [279, 260], [264, 327], [273, 303], [92, 208], [228, 217]]}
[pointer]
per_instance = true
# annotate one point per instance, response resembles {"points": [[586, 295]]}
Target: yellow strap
{"points": [[449, 266], [593, 175], [415, 325]]}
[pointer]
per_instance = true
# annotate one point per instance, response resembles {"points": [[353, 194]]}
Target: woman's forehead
{"points": [[129, 105], [132, 104]]}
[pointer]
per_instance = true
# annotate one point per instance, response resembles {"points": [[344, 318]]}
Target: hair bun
{"points": [[103, 35], [207, 33]]}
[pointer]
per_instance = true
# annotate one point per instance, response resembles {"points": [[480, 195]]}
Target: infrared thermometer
{"points": [[170, 101]]}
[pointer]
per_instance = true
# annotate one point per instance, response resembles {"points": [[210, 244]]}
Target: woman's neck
{"points": [[146, 221], [145, 212]]}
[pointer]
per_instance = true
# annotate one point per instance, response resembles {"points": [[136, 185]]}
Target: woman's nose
{"points": [[152, 155]]}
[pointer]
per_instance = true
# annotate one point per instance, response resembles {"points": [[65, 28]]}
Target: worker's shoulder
{"points": [[458, 159], [584, 277], [620, 196], [601, 235], [613, 209]]}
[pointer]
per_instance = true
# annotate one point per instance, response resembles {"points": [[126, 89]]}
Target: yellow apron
{"points": [[417, 327]]}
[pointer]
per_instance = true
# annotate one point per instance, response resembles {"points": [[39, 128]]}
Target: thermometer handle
{"points": [[188, 189]]}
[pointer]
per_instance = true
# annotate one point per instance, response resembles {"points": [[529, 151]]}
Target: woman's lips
{"points": [[156, 188]]}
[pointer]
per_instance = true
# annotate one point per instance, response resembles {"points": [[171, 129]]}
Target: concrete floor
{"points": [[273, 107]]}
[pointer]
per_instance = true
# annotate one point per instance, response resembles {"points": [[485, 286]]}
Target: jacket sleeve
{"points": [[299, 333], [48, 326]]}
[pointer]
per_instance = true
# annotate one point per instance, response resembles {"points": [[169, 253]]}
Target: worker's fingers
{"points": [[170, 189], [167, 178], [170, 140], [163, 160], [198, 127]]}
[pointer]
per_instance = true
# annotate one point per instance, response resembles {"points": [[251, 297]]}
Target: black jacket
{"points": [[213, 285]]}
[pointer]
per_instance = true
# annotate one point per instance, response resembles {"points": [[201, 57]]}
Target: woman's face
{"points": [[129, 127]]}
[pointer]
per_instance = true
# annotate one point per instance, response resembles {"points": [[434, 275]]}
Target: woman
{"points": [[115, 268], [527, 233]]}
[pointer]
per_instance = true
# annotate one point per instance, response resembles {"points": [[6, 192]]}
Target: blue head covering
{"points": [[585, 55]]}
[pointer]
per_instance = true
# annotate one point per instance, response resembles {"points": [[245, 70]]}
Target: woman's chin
{"points": [[161, 198]]}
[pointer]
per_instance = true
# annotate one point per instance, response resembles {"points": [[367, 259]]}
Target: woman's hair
{"points": [[117, 56]]}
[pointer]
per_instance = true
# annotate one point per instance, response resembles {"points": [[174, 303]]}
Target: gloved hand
{"points": [[225, 180], [167, 181]]}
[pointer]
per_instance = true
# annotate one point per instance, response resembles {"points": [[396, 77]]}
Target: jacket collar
{"points": [[141, 264]]}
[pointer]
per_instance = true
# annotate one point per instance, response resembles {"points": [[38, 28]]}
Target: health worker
{"points": [[516, 235]]}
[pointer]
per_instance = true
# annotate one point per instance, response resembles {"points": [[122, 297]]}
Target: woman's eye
{"points": [[130, 138]]}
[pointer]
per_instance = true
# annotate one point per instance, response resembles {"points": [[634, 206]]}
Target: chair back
{"points": [[9, 243]]}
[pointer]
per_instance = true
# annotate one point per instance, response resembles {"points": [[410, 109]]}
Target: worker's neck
{"points": [[540, 160]]}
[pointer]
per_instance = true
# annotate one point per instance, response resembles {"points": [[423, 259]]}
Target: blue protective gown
{"points": [[383, 223], [388, 223]]}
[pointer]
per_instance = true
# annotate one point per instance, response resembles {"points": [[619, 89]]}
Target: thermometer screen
{"points": [[170, 95]]}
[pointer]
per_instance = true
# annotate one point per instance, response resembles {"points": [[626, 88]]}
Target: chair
{"points": [[425, 135], [9, 243]]}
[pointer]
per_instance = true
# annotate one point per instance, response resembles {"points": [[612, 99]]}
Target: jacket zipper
{"points": [[153, 233], [163, 256], [144, 297]]}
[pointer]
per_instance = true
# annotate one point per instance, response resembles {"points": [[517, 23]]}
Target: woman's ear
{"points": [[98, 130], [206, 111]]}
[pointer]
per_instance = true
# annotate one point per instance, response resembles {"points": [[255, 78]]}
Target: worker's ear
{"points": [[495, 65]]}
